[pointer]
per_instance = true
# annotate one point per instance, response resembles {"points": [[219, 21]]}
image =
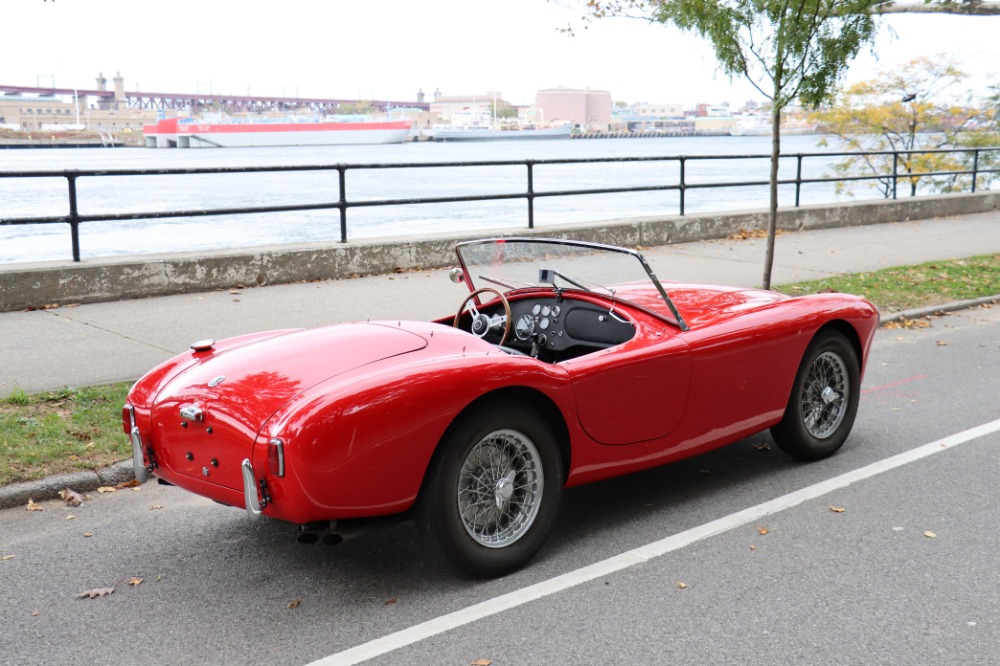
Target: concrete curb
{"points": [[17, 494], [48, 488], [930, 311]]}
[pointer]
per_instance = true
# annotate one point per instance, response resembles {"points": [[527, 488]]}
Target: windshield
{"points": [[517, 263]]}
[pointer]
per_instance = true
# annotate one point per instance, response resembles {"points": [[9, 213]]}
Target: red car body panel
{"points": [[361, 408]]}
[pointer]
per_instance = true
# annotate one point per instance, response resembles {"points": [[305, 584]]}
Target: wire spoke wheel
{"points": [[824, 396], [493, 490], [500, 488], [824, 399]]}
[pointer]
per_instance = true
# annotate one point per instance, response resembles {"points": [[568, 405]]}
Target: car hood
{"points": [[242, 386]]}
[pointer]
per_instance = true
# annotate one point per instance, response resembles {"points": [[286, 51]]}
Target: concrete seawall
{"points": [[34, 285]]}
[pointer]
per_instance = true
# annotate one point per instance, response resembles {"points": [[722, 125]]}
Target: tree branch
{"points": [[965, 7]]}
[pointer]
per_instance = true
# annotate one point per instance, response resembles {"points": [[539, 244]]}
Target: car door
{"points": [[634, 392]]}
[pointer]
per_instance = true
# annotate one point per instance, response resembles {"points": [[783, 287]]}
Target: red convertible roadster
{"points": [[567, 363]]}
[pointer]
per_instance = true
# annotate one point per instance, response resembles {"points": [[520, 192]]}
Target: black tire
{"points": [[824, 399], [506, 456]]}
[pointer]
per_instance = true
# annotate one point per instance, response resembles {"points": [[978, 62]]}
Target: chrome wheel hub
{"points": [[500, 488], [824, 396]]}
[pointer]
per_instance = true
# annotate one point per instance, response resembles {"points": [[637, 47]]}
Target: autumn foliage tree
{"points": [[912, 111]]}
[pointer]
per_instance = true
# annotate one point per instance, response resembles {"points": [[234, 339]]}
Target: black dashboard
{"points": [[559, 328]]}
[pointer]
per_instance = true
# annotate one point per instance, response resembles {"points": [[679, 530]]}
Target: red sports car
{"points": [[568, 362]]}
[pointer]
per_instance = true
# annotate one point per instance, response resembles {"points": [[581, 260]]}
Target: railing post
{"points": [[683, 160], [975, 168], [895, 172], [531, 193], [74, 217], [342, 177], [798, 177]]}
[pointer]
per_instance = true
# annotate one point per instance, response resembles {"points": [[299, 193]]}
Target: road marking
{"points": [[440, 625], [892, 385]]}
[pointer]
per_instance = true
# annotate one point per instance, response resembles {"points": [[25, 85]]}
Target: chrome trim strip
{"points": [[250, 490], [138, 465]]}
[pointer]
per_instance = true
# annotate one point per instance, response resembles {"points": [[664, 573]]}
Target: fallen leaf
{"points": [[482, 662], [71, 517], [70, 497], [106, 489], [389, 602], [96, 592], [929, 534], [7, 557], [128, 484], [942, 343], [135, 581], [88, 534], [753, 547], [682, 586], [837, 509], [32, 506], [155, 507], [762, 531], [35, 613], [295, 603]]}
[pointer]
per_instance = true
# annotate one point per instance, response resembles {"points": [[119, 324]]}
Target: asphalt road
{"points": [[866, 585]]}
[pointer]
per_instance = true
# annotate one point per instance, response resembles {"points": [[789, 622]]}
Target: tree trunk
{"points": [[772, 220]]}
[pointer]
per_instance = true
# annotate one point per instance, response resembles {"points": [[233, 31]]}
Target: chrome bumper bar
{"points": [[250, 490], [138, 466]]}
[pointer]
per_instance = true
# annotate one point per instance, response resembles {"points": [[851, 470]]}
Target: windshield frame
{"points": [[586, 246]]}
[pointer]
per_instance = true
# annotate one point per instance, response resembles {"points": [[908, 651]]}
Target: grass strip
{"points": [[908, 287], [53, 432]]}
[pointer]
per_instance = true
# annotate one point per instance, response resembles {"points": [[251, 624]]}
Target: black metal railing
{"points": [[75, 218]]}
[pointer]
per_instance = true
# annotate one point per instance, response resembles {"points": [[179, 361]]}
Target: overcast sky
{"points": [[389, 49]]}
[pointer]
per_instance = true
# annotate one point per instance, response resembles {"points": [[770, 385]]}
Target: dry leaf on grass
{"points": [[96, 592]]}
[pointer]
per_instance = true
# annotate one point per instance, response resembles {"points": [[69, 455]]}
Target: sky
{"points": [[390, 49]]}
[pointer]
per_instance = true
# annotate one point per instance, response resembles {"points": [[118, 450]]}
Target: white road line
{"points": [[642, 554]]}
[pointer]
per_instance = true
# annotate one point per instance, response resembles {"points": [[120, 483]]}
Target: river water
{"points": [[33, 197]]}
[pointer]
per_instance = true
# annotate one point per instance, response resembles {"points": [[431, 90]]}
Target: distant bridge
{"points": [[196, 102]]}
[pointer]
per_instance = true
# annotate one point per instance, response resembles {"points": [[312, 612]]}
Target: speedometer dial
{"points": [[523, 326]]}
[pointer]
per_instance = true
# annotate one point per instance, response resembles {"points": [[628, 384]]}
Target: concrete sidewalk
{"points": [[106, 342]]}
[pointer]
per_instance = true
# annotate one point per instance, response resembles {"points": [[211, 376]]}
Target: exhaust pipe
{"points": [[335, 532]]}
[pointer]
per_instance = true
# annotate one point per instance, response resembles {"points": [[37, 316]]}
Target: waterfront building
{"points": [[588, 109]]}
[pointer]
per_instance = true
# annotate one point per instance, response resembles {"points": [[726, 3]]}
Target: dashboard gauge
{"points": [[544, 323], [546, 310], [556, 310], [523, 326], [535, 310]]}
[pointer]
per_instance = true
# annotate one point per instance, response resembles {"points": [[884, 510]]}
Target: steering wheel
{"points": [[481, 324]]}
